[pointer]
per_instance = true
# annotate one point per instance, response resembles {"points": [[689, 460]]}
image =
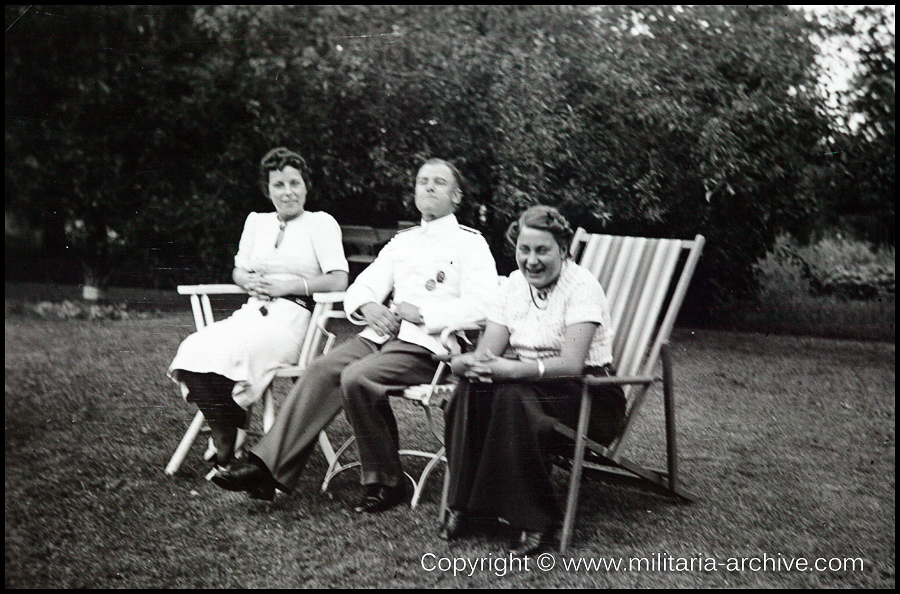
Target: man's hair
{"points": [[543, 218], [276, 160], [457, 176]]}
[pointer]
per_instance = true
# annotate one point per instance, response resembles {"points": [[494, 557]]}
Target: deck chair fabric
{"points": [[645, 281], [316, 341]]}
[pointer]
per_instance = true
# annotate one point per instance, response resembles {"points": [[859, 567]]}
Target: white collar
{"points": [[440, 225]]}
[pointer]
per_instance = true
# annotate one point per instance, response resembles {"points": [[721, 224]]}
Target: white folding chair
{"points": [[426, 396], [316, 341]]}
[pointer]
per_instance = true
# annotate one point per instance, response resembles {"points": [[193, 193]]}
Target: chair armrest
{"points": [[591, 380], [225, 289], [330, 297], [448, 332]]}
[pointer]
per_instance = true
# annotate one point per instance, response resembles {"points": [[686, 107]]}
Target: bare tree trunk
{"points": [[92, 290]]}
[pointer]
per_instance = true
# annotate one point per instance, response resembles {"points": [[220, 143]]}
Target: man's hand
{"points": [[380, 319], [409, 312]]}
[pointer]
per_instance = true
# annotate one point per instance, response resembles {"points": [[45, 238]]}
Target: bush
{"points": [[70, 310], [837, 266]]}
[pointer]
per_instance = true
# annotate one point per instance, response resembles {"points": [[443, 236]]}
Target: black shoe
{"points": [[452, 527], [246, 476], [379, 498], [529, 543]]}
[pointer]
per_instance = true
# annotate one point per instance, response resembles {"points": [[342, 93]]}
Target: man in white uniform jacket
{"points": [[438, 274]]}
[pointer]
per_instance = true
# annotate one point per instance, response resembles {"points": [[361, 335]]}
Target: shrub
{"points": [[836, 266], [69, 310]]}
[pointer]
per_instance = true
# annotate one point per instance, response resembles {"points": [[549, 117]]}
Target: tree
{"points": [[89, 92], [664, 120], [661, 120], [869, 206]]}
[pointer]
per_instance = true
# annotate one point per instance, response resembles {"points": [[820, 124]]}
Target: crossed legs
{"points": [[211, 393], [365, 385], [358, 374]]}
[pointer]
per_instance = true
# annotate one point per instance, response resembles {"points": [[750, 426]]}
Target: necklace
{"points": [[543, 295], [282, 223]]}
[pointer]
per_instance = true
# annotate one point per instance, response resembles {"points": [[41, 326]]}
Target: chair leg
{"points": [[423, 478], [325, 446], [186, 442], [335, 467], [575, 477], [445, 494], [268, 409], [669, 404]]}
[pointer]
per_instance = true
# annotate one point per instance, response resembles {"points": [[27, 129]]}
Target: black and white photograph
{"points": [[449, 296]]}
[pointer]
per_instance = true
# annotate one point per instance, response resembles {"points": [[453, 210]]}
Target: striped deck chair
{"points": [[645, 281], [316, 341]]}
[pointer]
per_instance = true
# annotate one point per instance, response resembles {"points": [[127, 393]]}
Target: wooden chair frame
{"points": [[637, 275]]}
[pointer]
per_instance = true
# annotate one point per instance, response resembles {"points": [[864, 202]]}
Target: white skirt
{"points": [[247, 347]]}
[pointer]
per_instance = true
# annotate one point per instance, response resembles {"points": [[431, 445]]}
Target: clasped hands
{"points": [[386, 321], [483, 367], [261, 287]]}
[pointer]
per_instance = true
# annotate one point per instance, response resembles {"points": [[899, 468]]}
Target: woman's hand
{"points": [[460, 364], [482, 366], [505, 368], [256, 285], [262, 287]]}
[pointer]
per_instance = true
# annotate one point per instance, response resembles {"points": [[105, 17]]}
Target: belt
{"points": [[602, 370], [304, 301]]}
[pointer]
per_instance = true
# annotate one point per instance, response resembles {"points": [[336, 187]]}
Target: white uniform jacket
{"points": [[441, 267]]}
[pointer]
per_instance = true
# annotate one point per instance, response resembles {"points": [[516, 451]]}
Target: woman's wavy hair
{"points": [[544, 218], [276, 160]]}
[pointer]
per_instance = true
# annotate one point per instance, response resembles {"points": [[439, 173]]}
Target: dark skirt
{"points": [[499, 437]]}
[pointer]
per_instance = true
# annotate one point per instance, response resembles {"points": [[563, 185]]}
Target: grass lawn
{"points": [[788, 444]]}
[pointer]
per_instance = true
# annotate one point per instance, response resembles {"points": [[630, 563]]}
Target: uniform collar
{"points": [[440, 225]]}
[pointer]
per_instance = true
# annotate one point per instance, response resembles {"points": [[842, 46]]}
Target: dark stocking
{"points": [[211, 393]]}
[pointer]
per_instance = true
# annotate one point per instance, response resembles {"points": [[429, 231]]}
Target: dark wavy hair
{"points": [[543, 218], [276, 160]]}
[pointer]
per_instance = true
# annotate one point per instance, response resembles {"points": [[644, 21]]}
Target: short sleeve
{"points": [[500, 306], [245, 247], [587, 302], [328, 245]]}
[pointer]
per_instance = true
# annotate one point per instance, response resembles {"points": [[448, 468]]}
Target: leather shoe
{"points": [[246, 476], [529, 543], [379, 498], [452, 527]]}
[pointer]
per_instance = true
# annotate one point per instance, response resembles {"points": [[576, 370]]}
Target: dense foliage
{"points": [[144, 124]]}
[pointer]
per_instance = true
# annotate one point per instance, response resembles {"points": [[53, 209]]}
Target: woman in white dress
{"points": [[283, 258]]}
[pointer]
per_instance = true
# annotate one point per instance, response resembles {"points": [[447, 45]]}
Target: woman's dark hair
{"points": [[276, 160], [543, 218]]}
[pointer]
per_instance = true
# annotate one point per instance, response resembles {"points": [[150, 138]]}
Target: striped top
{"points": [[537, 332]]}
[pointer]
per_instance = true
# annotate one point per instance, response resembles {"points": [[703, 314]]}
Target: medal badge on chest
{"points": [[432, 283]]}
